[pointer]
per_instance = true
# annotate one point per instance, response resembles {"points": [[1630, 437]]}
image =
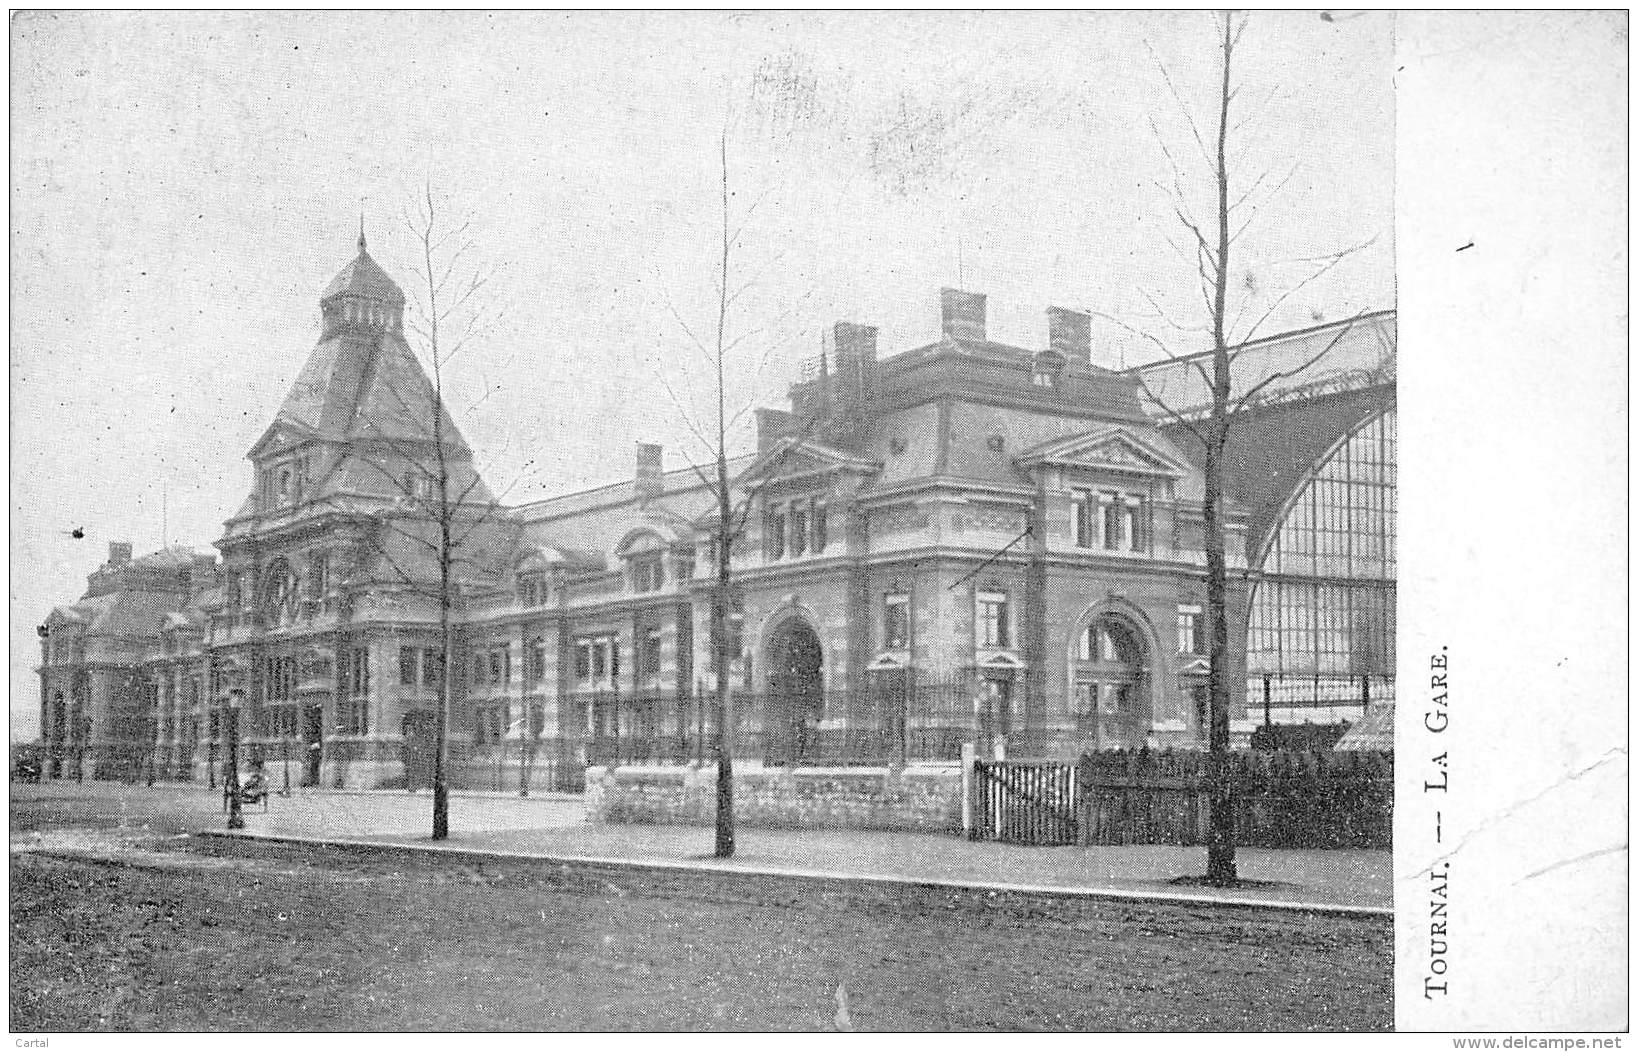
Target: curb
{"points": [[666, 866]]}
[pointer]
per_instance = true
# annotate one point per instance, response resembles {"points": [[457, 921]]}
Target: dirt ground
{"points": [[133, 931]]}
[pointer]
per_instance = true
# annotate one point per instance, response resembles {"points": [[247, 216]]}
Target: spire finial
{"points": [[361, 233]]}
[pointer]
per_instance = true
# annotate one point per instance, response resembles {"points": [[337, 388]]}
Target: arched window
{"points": [[281, 593], [645, 562]]}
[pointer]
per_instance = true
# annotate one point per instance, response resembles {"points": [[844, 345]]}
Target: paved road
{"points": [[132, 929]]}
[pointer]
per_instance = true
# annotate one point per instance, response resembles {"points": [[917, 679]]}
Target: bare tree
{"points": [[446, 534], [721, 354], [1207, 248]]}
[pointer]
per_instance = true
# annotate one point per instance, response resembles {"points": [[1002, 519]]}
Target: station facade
{"points": [[962, 542]]}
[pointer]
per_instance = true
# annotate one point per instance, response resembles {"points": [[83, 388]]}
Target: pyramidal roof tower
{"points": [[362, 393]]}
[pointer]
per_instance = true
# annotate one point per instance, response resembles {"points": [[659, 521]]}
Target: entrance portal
{"points": [[1109, 686], [796, 694]]}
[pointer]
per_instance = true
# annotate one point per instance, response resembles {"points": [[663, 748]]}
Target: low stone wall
{"points": [[916, 799]]}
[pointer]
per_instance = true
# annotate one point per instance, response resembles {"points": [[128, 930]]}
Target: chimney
{"points": [[1069, 332], [855, 366], [119, 553], [963, 314], [771, 426], [649, 480]]}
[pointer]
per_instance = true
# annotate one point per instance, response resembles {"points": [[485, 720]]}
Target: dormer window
{"points": [[532, 589], [645, 562], [1048, 370], [418, 484], [647, 572], [682, 564]]}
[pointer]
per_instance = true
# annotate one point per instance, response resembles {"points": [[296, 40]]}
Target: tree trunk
{"points": [[720, 613], [1220, 866], [721, 601]]}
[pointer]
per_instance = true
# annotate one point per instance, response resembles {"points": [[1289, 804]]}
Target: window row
{"points": [[420, 666], [1111, 520], [794, 528], [278, 679], [1101, 641], [494, 722]]}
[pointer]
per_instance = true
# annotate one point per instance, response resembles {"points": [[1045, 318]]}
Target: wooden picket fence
{"points": [[1024, 803], [1281, 799]]}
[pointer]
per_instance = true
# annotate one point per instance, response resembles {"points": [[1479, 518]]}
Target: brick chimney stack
{"points": [[650, 479], [855, 376], [119, 553], [963, 314], [1069, 332]]}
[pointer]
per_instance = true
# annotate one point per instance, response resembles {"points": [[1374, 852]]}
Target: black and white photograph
{"points": [[828, 521]]}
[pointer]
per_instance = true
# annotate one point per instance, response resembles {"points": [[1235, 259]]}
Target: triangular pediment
{"points": [[279, 436], [1111, 448], [793, 456]]}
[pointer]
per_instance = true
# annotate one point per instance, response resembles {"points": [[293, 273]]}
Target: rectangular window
{"points": [[648, 662], [1130, 532], [320, 576], [1189, 623], [895, 622], [407, 658], [361, 671], [534, 662], [776, 534], [682, 564], [597, 661], [993, 630], [495, 666], [799, 530], [648, 572], [532, 590], [1109, 511], [432, 667], [1082, 512], [819, 531]]}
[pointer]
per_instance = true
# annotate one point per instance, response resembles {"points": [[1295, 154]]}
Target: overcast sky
{"points": [[185, 184]]}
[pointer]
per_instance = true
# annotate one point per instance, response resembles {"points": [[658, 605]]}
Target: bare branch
{"points": [[1329, 264], [1188, 425], [1245, 400], [1183, 107], [1158, 343]]}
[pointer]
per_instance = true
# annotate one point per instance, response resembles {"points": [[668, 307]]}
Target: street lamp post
{"points": [[236, 818]]}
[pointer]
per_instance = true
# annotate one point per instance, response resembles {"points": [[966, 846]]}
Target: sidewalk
{"points": [[556, 829]]}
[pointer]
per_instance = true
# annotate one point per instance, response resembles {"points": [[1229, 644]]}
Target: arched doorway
{"points": [[1110, 702], [796, 693]]}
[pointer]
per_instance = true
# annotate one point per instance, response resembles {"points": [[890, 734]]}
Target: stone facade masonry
{"points": [[912, 799]]}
